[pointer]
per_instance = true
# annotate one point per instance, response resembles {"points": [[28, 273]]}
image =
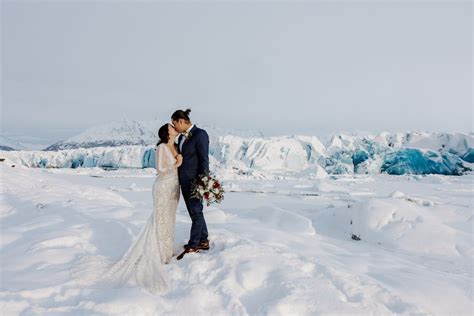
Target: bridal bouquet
{"points": [[208, 188]]}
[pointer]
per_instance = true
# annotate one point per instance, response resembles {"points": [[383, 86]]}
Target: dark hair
{"points": [[163, 134], [180, 114]]}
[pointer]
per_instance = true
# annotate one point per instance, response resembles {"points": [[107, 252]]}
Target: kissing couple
{"points": [[178, 165]]}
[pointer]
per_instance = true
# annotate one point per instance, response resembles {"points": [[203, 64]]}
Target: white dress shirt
{"points": [[182, 140]]}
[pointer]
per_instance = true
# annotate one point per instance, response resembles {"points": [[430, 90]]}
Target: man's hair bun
{"points": [[180, 114]]}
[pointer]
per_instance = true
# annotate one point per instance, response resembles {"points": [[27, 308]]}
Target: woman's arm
{"points": [[163, 162]]}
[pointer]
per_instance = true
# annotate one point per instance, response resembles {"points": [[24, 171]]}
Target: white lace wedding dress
{"points": [[142, 263]]}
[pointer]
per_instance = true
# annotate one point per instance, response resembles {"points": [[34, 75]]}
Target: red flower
{"points": [[206, 195], [216, 185]]}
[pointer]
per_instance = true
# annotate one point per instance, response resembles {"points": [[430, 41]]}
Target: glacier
{"points": [[469, 156], [416, 161], [286, 156]]}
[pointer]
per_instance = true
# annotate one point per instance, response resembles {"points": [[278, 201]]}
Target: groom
{"points": [[193, 145]]}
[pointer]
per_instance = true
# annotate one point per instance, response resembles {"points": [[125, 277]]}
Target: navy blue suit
{"points": [[195, 153]]}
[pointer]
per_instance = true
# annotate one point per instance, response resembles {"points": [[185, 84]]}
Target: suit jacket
{"points": [[195, 153]]}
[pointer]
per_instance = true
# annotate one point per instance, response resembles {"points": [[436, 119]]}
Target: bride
{"points": [[142, 263]]}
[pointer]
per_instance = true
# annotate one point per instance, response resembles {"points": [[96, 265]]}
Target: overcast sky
{"points": [[280, 67]]}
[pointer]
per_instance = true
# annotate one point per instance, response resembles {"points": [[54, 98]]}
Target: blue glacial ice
{"points": [[43, 162], [469, 156], [340, 162], [359, 157], [148, 160], [416, 161]]}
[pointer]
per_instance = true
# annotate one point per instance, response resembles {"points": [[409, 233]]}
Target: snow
{"points": [[278, 247], [128, 132], [277, 156], [114, 133], [8, 144]]}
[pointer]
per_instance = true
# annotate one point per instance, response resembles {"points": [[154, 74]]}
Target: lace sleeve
{"points": [[164, 163]]}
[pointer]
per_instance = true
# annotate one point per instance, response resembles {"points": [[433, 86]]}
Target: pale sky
{"points": [[279, 67]]}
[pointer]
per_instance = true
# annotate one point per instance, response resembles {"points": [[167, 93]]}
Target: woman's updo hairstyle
{"points": [[163, 134], [180, 114]]}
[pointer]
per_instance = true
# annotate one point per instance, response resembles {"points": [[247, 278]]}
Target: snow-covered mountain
{"points": [[8, 144], [129, 132], [112, 134]]}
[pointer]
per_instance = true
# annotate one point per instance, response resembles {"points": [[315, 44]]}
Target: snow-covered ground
{"points": [[278, 247]]}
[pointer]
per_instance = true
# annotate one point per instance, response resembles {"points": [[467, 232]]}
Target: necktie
{"points": [[181, 142]]}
